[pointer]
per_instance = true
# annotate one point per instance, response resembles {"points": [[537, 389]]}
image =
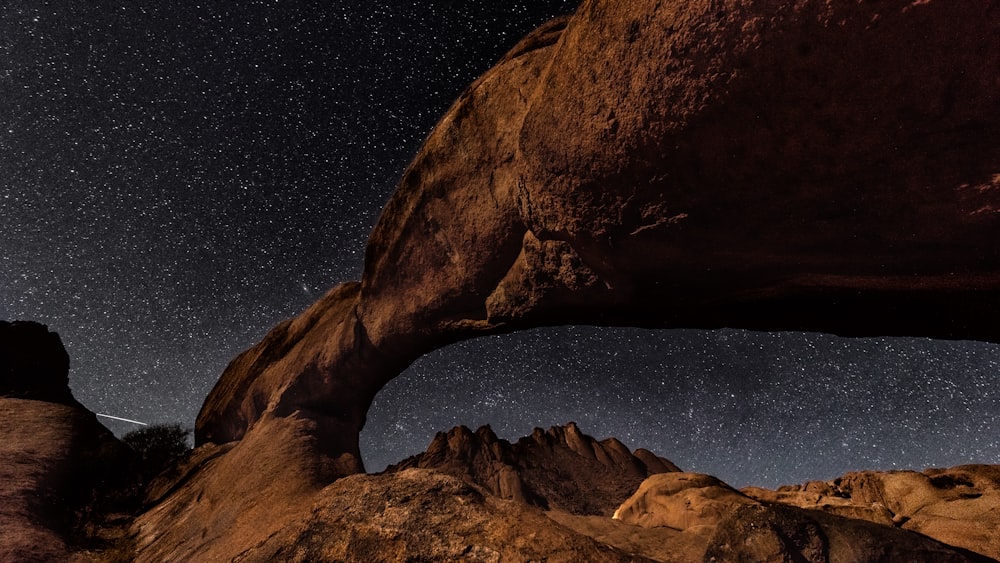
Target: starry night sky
{"points": [[175, 179]]}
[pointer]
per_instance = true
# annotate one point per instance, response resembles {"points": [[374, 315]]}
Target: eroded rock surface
{"points": [[452, 509], [423, 514], [560, 469], [681, 501], [282, 514]]}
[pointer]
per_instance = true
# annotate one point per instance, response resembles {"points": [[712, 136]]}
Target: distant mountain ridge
{"points": [[560, 468]]}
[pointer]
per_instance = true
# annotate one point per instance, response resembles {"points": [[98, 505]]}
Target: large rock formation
{"points": [[54, 454], [560, 469], [809, 166], [419, 515], [816, 165]]}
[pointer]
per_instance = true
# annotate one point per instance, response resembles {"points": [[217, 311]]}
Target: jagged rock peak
{"points": [[568, 435], [462, 434], [549, 468], [462, 444], [610, 451], [34, 363]]}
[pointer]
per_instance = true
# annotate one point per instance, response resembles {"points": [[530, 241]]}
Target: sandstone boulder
{"points": [[681, 501], [783, 533], [414, 513], [714, 522], [418, 514]]}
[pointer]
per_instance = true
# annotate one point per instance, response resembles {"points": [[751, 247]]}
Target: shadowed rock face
{"points": [[825, 166]]}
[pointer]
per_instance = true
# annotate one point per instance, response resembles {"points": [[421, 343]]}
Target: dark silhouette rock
{"points": [[33, 363], [559, 469]]}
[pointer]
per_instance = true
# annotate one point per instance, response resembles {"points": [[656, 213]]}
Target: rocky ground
{"points": [[560, 495], [556, 495]]}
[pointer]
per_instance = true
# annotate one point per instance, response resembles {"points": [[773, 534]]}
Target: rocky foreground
{"points": [[556, 495], [560, 495]]}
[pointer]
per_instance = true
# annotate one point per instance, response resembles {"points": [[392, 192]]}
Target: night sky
{"points": [[177, 179]]}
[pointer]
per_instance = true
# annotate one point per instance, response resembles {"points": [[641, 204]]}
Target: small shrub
{"points": [[159, 447], [121, 476]]}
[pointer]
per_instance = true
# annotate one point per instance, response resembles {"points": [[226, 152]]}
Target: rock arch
{"points": [[768, 165]]}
